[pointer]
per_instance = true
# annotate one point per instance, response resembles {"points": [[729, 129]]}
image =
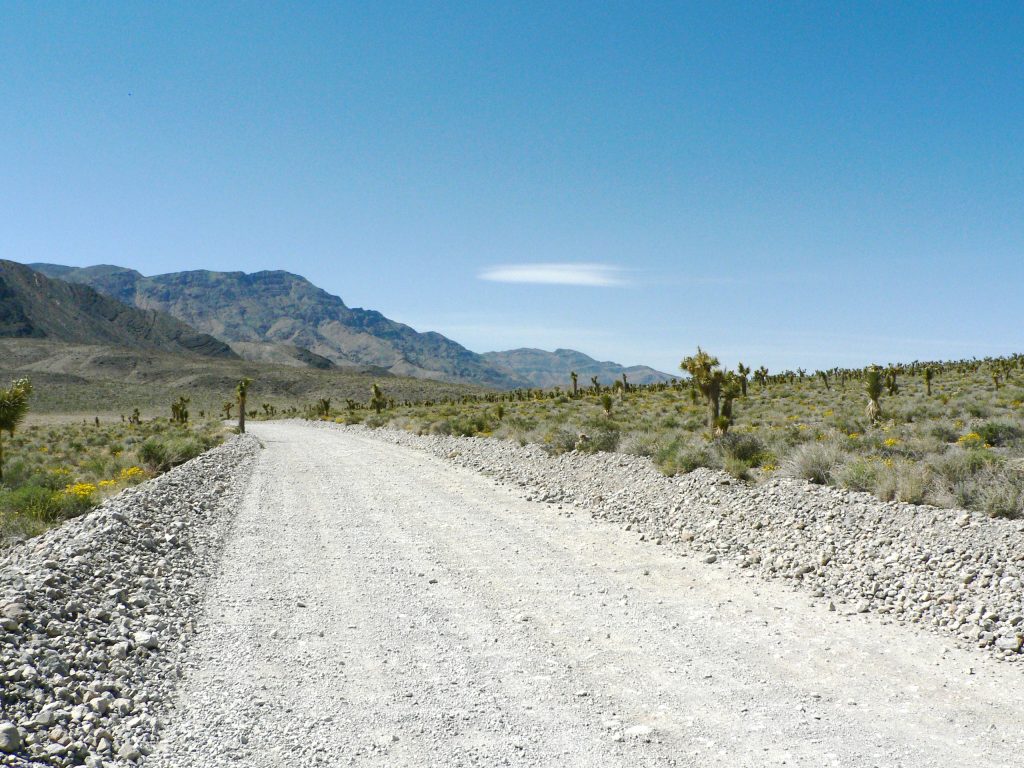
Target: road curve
{"points": [[377, 606]]}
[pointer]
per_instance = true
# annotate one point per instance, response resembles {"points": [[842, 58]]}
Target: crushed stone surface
{"points": [[387, 599]]}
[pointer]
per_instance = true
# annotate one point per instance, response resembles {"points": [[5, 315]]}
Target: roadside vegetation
{"points": [[949, 434], [54, 473]]}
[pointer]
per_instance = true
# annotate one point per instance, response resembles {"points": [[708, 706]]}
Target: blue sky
{"points": [[789, 184]]}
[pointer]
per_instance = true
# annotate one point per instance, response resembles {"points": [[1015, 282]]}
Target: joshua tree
{"points": [[377, 400], [136, 417], [625, 384], [823, 375], [595, 384], [575, 387], [228, 405], [731, 389], [929, 374], [500, 412], [891, 386], [323, 407], [179, 410], [241, 393], [13, 409], [742, 372], [606, 403], [873, 387], [707, 377], [761, 376]]}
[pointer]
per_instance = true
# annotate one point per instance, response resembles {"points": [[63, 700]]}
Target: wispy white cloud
{"points": [[592, 275]]}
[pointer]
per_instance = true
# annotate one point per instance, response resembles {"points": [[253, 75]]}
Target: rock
{"points": [[10, 738], [1012, 643], [129, 751], [641, 732], [146, 640]]}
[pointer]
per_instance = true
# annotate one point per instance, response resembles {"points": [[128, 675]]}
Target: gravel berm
{"points": [[95, 615], [379, 605]]}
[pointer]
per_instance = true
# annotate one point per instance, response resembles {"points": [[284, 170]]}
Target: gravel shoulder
{"points": [[380, 605], [96, 613]]}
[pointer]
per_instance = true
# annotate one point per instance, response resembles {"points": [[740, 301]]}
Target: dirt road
{"points": [[377, 606]]}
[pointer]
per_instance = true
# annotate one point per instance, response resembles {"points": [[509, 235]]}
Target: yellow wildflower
{"points": [[129, 474], [970, 440], [80, 490]]}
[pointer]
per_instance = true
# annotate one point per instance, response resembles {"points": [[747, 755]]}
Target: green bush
{"points": [[682, 456], [858, 474], [162, 453], [739, 446], [999, 432]]}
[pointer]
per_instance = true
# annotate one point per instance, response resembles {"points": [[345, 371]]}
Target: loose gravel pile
{"points": [[95, 614], [949, 570]]}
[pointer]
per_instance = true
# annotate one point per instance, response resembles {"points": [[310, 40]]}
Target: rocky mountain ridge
{"points": [[33, 306]]}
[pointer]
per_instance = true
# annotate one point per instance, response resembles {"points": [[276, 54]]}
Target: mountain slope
{"points": [[550, 369], [35, 306], [284, 309]]}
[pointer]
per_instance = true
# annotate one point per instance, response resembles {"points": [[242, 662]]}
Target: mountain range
{"points": [[33, 306], [280, 317], [553, 369]]}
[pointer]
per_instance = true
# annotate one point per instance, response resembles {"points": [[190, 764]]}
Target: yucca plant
{"points": [[377, 400], [575, 383], [730, 391], [13, 410], [179, 410], [891, 385], [761, 376], [241, 393], [929, 374], [707, 377], [742, 372], [873, 387]]}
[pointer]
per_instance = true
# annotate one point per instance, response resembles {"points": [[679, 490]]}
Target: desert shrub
{"points": [[977, 409], [376, 420], [681, 456], [739, 446], [603, 438], [153, 453], [998, 493], [858, 474], [815, 462], [958, 464], [560, 440], [998, 432], [641, 444], [162, 453], [913, 482], [737, 467]]}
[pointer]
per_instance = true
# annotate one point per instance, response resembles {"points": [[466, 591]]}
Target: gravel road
{"points": [[376, 605]]}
